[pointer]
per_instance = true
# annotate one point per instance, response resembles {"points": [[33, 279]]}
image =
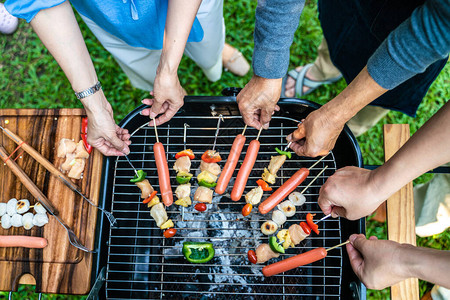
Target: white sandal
{"points": [[8, 23]]}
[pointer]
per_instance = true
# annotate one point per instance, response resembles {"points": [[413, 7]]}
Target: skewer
{"points": [[217, 131], [135, 171], [245, 128], [314, 164], [341, 244], [326, 217], [287, 147], [259, 133], [312, 181], [156, 130], [184, 134]]}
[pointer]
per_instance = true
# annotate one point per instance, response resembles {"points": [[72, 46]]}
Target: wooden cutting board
{"points": [[60, 267]]}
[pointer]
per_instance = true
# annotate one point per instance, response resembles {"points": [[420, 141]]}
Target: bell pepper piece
{"points": [[277, 248], [167, 224], [252, 256], [264, 185], [281, 152], [187, 152], [211, 156], [305, 228], [207, 184], [147, 200], [198, 252], [155, 200], [309, 220], [183, 177], [140, 176], [84, 125], [86, 144]]}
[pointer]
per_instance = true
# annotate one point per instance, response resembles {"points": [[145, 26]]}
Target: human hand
{"points": [[103, 133], [316, 135], [351, 193], [258, 100], [378, 264], [168, 95]]}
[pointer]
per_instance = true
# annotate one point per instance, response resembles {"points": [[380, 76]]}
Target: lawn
{"points": [[30, 78]]}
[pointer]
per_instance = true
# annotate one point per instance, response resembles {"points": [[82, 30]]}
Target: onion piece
{"points": [[40, 220], [6, 221], [269, 227], [22, 206], [297, 198], [39, 209], [16, 220], [278, 217], [287, 207], [27, 221], [11, 207]]}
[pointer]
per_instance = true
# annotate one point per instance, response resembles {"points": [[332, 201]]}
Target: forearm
{"points": [[359, 93], [180, 17], [428, 148], [59, 32], [427, 264]]}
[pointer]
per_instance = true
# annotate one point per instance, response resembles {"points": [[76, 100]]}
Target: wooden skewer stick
{"points": [[245, 128], [156, 130], [318, 161], [314, 179], [341, 244], [259, 133]]}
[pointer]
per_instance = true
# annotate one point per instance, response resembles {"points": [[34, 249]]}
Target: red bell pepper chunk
{"points": [[187, 152], [305, 228], [314, 227], [211, 156], [84, 125], [86, 144], [264, 185], [152, 195]]}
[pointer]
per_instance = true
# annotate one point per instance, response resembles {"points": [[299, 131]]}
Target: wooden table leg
{"points": [[400, 210]]}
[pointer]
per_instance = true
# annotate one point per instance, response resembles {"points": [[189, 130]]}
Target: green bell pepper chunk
{"points": [[207, 184], [183, 177], [139, 176], [198, 252], [277, 248], [281, 152]]}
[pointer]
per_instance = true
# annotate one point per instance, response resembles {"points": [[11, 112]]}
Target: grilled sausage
{"points": [[230, 165], [163, 174], [22, 241], [294, 262], [244, 171], [283, 191]]}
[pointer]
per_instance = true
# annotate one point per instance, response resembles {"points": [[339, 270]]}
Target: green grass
{"points": [[30, 78]]}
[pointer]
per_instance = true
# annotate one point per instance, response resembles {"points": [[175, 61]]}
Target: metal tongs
{"points": [[52, 169], [34, 190]]}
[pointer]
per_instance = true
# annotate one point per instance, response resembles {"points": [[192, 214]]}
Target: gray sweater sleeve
{"points": [[418, 42], [275, 25]]}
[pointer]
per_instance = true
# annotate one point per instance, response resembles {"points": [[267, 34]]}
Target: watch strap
{"points": [[90, 91]]}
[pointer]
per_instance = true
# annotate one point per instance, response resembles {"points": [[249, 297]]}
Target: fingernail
{"points": [[352, 238], [266, 126], [126, 151], [334, 214], [141, 113], [152, 115], [289, 137]]}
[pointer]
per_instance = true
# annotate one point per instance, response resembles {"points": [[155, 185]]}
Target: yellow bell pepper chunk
{"points": [[154, 201], [185, 202], [167, 224]]}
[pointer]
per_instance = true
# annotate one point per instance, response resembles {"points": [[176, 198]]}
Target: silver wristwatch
{"points": [[90, 91]]}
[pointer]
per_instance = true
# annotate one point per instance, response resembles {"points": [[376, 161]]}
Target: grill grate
{"points": [[141, 263]]}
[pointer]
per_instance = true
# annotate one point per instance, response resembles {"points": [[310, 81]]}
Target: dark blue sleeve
{"points": [[275, 25], [27, 9], [414, 45]]}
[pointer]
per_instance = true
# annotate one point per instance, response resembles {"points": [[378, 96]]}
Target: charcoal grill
{"points": [[140, 263]]}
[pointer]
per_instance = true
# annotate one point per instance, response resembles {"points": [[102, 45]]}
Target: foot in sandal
{"points": [[300, 82], [234, 61], [8, 23]]}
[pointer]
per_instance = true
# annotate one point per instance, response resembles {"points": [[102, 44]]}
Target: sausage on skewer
{"points": [[163, 174]]}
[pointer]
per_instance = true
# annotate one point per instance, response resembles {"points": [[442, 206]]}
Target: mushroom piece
{"points": [[287, 207], [27, 221], [11, 207], [2, 209], [212, 168], [40, 219], [80, 151], [183, 191], [278, 217], [6, 221], [264, 253], [39, 209], [65, 146], [77, 168], [254, 196], [182, 164], [22, 206], [269, 227], [297, 234], [67, 164], [158, 212], [203, 194], [297, 198], [275, 163], [16, 220], [146, 188]]}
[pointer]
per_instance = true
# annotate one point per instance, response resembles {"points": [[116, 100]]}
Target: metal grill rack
{"points": [[143, 264]]}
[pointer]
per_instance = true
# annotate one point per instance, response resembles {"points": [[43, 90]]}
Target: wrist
{"points": [[408, 258], [95, 102]]}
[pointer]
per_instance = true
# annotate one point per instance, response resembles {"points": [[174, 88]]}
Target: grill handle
{"points": [[231, 91]]}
